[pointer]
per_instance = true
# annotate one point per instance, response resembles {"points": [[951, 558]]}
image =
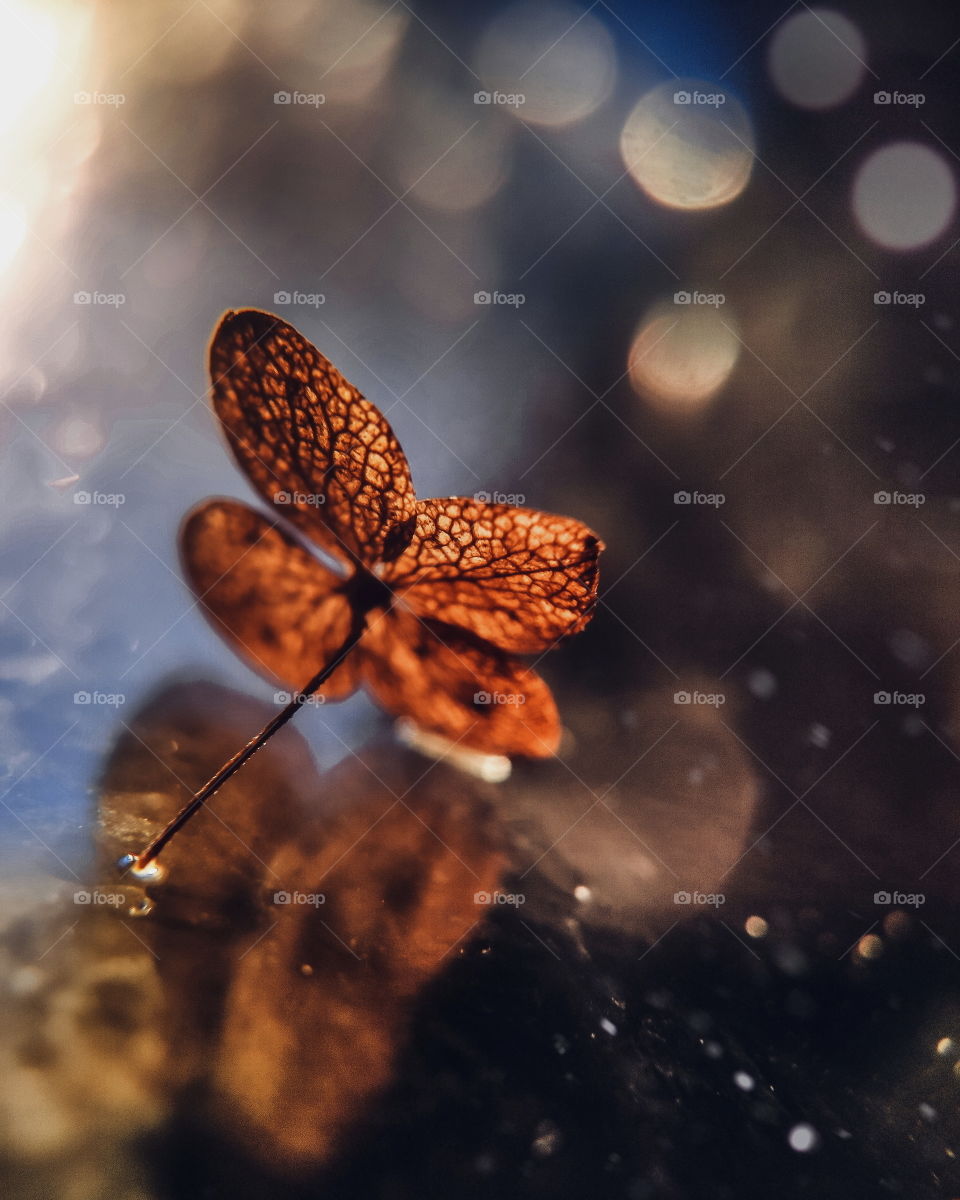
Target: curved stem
{"points": [[232, 765]]}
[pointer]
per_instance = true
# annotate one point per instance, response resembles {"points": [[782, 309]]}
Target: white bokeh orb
{"points": [[682, 355], [689, 144], [817, 58], [559, 60], [904, 196]]}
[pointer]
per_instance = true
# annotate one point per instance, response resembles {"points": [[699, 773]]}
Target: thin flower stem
{"points": [[139, 862]]}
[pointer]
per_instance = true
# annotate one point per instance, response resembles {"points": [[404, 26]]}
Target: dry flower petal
{"points": [[455, 685], [279, 607], [517, 578], [302, 433]]}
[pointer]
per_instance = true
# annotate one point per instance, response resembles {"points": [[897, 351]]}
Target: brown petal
{"points": [[515, 577], [302, 433], [452, 684], [274, 602]]}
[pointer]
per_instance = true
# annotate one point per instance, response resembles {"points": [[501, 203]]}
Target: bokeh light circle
{"points": [[681, 356], [817, 58], [561, 62], [803, 1138], [904, 196], [463, 173], [689, 144]]}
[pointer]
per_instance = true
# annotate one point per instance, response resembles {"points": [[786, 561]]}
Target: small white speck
{"points": [[608, 1027], [820, 736], [803, 1138], [744, 1081], [762, 684], [928, 1112], [547, 1141], [582, 893], [25, 981]]}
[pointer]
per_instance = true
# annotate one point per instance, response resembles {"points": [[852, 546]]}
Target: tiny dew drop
{"points": [[803, 1138], [141, 908], [153, 872]]}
